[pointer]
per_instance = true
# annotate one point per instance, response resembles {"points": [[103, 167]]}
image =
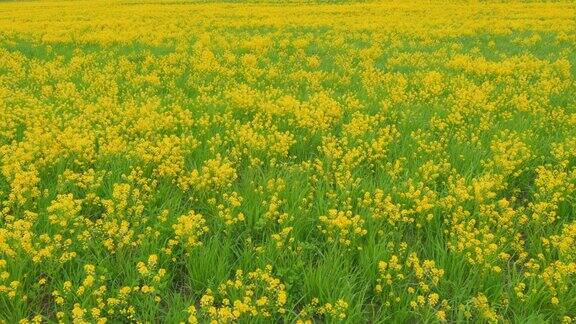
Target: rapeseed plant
{"points": [[298, 162]]}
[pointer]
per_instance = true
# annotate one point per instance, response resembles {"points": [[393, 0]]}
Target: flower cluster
{"points": [[256, 294]]}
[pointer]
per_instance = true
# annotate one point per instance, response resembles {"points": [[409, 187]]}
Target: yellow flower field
{"points": [[300, 162]]}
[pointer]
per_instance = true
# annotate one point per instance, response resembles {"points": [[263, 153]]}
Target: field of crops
{"points": [[169, 162]]}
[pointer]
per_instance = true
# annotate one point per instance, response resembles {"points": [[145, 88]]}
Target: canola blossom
{"points": [[287, 162]]}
